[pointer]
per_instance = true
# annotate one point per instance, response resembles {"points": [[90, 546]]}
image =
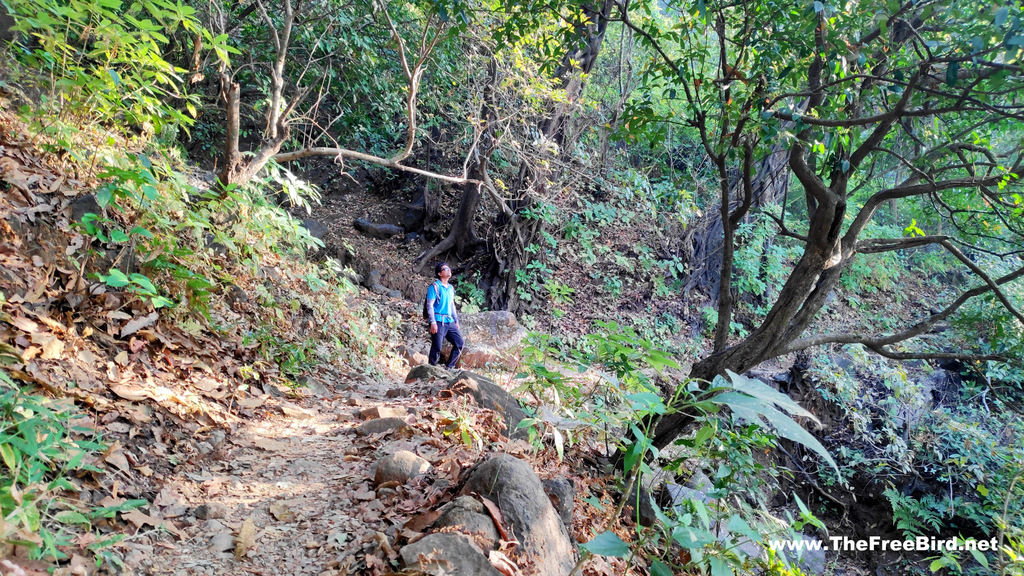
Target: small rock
{"points": [[383, 412], [222, 542], [398, 393], [489, 395], [638, 507], [400, 467], [396, 294], [375, 230], [235, 295], [204, 448], [210, 511], [380, 425], [374, 278], [450, 554], [214, 526], [297, 412], [85, 205], [316, 229], [217, 437]]}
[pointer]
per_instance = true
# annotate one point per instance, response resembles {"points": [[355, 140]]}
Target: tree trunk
{"points": [[803, 295]]}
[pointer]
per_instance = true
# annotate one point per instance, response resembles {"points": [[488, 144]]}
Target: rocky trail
{"points": [[330, 483]]}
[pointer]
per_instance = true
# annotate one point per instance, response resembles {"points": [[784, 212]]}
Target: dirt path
{"points": [[291, 493]]}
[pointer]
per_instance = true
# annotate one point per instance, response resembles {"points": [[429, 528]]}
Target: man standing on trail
{"points": [[444, 320]]}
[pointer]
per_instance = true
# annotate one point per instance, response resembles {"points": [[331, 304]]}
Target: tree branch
{"points": [[879, 342]]}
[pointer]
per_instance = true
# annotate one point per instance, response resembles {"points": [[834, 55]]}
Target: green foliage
{"points": [[138, 284], [42, 450], [105, 59]]}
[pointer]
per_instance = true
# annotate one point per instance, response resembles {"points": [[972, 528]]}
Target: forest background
{"points": [[678, 193]]}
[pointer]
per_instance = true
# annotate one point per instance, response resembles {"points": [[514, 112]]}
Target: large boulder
{"points": [[492, 339], [448, 554], [489, 395], [376, 230], [515, 488]]}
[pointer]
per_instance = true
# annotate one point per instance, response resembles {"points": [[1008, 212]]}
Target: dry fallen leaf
{"points": [[140, 519], [246, 538], [115, 457], [138, 323], [282, 512], [502, 563]]}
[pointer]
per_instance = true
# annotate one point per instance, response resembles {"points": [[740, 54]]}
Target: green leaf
{"points": [[951, 73], [1000, 16], [8, 455], [118, 236], [141, 232], [116, 279], [703, 435], [72, 517], [607, 544], [145, 283], [979, 557], [937, 565], [659, 568], [758, 389], [719, 567], [104, 195], [753, 410]]}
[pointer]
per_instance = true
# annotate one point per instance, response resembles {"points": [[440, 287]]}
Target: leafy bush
{"points": [[41, 450]]}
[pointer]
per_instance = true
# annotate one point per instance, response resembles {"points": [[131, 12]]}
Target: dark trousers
{"points": [[451, 333]]}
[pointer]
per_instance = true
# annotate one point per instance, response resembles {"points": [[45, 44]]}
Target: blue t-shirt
{"points": [[444, 302]]}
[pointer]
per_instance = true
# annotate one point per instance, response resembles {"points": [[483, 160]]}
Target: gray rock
{"points": [[428, 373], [84, 205], [699, 481], [682, 494], [397, 294], [467, 515], [222, 542], [489, 395], [638, 507], [449, 554], [399, 467], [811, 560], [316, 229], [562, 494], [217, 437], [380, 425], [211, 510], [519, 494], [492, 338], [373, 278], [375, 230], [235, 295]]}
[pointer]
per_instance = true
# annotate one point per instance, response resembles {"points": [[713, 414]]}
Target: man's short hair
{"points": [[440, 265]]}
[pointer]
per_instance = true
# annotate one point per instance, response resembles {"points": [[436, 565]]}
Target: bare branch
{"points": [[880, 245], [341, 153], [922, 327]]}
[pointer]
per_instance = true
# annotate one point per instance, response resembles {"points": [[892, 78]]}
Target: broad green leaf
{"points": [[8, 455], [754, 410], [659, 568], [979, 557], [116, 279], [118, 236], [607, 544], [758, 389], [72, 517], [719, 567]]}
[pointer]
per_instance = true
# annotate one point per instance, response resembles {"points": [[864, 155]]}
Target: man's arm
{"points": [[431, 299]]}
